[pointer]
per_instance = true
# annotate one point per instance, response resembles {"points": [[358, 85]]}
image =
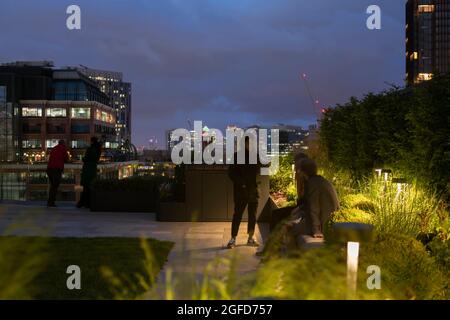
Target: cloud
{"points": [[234, 61]]}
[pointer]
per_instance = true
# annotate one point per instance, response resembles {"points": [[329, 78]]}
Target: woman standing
{"points": [[89, 172]]}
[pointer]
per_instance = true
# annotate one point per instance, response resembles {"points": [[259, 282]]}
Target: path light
{"points": [[401, 185], [352, 265], [386, 173], [378, 172]]}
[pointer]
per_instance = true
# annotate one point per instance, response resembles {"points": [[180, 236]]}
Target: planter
{"points": [[124, 201], [172, 212]]}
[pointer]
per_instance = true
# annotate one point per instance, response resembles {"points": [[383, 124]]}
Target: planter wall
{"points": [[209, 197], [124, 201]]}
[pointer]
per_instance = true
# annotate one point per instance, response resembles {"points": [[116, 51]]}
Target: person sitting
{"points": [[320, 201]]}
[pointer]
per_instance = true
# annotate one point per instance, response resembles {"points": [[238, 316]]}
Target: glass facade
{"points": [[50, 143], [55, 112], [80, 128], [427, 39], [6, 128], [31, 144], [31, 112], [80, 113], [79, 144]]}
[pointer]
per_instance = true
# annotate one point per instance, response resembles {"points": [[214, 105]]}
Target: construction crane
{"points": [[314, 101]]}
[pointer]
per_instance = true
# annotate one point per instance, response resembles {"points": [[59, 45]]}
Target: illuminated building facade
{"points": [[119, 92], [427, 39]]}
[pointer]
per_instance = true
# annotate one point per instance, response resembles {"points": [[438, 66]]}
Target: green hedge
{"points": [[406, 129]]}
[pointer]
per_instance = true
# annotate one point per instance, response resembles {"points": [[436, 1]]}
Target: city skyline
{"points": [[190, 62]]}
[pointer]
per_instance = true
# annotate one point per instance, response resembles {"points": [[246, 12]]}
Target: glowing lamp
{"points": [[352, 265]]}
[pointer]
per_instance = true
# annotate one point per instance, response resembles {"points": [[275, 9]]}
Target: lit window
{"points": [[31, 144], [55, 112], [426, 8], [424, 76], [79, 144], [31, 112], [81, 113], [50, 143]]}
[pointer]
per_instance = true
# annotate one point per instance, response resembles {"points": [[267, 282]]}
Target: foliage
{"points": [[20, 262], [358, 201], [147, 183], [111, 267], [405, 129], [407, 272], [282, 185], [352, 215]]}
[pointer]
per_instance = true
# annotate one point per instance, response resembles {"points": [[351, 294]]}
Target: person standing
{"points": [[245, 190], [55, 168], [89, 171]]}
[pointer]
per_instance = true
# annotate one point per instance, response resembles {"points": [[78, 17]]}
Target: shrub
{"points": [[352, 215], [358, 201], [133, 184], [407, 272]]}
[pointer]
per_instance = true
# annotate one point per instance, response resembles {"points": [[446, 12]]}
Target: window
{"points": [[80, 128], [56, 128], [55, 112], [31, 112], [81, 113], [79, 144], [31, 144], [426, 8], [111, 145], [31, 128], [50, 143]]}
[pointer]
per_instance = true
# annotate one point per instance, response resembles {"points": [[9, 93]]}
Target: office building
{"points": [[20, 81], [119, 92], [40, 105], [427, 39]]}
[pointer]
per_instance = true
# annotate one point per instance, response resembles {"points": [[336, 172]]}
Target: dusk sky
{"points": [[219, 61]]}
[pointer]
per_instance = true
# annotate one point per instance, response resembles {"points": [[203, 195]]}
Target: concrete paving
{"points": [[197, 244]]}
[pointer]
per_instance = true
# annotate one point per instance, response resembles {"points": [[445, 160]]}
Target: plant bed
{"points": [[128, 195], [111, 268]]}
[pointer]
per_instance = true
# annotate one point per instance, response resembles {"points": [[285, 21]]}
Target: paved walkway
{"points": [[197, 244]]}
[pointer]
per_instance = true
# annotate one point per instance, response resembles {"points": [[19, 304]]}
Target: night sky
{"points": [[220, 61]]}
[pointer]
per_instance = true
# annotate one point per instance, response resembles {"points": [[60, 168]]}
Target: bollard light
{"points": [[378, 172], [401, 185], [386, 173], [352, 266]]}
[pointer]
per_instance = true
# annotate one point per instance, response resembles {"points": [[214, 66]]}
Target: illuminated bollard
{"points": [[351, 234], [352, 266]]}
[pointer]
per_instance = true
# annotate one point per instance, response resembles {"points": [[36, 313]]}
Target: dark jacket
{"points": [[90, 161], [320, 201], [58, 156], [244, 177]]}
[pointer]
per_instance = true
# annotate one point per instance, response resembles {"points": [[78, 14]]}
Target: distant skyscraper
{"points": [[427, 39], [119, 92]]}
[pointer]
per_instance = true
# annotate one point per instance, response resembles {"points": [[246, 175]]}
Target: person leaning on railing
{"points": [[55, 167]]}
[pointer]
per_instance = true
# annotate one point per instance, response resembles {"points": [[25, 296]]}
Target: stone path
{"points": [[197, 244]]}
